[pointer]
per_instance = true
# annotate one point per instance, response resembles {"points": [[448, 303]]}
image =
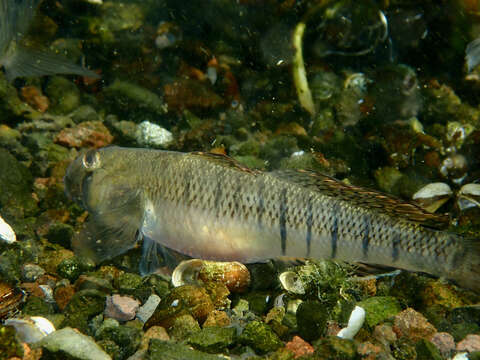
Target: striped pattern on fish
{"points": [[208, 206]]}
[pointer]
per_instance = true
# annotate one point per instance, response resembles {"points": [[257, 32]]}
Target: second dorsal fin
{"points": [[371, 199]]}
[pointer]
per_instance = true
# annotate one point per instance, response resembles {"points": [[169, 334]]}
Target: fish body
{"points": [[19, 60], [209, 206]]}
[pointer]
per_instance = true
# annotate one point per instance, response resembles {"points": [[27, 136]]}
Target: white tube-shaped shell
{"points": [[6, 232], [355, 323]]}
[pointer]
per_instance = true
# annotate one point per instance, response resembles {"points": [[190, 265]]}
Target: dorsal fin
{"points": [[367, 198], [226, 161]]}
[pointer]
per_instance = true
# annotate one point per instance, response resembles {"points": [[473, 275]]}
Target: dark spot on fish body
{"points": [[308, 238], [334, 232], [395, 247], [366, 235], [283, 220]]}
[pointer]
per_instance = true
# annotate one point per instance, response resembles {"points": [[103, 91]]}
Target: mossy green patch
{"points": [[379, 309], [166, 350], [260, 337], [212, 339]]}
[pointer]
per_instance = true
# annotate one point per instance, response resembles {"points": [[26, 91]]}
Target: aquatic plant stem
{"points": [[299, 72]]}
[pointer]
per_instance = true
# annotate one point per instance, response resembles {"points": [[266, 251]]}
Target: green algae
{"points": [[10, 346], [379, 309], [84, 305], [260, 337], [212, 339], [165, 350]]}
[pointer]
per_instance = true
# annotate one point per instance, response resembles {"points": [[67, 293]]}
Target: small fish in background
{"points": [[209, 206], [472, 54], [19, 60]]}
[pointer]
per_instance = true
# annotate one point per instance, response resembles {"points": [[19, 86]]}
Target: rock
{"points": [[333, 347], [182, 300], [69, 269], [470, 343], [146, 310], [413, 325], [217, 318], [84, 305], [160, 350], [379, 308], [127, 283], [299, 347], [63, 94], [212, 339], [152, 135], [188, 94], [63, 295], [384, 334], [260, 337], [183, 326], [427, 351], [34, 97], [31, 272], [85, 135], [444, 343], [36, 306], [311, 320], [121, 308], [367, 350], [10, 346], [126, 337], [68, 343], [84, 113], [134, 102], [85, 282], [59, 233]]}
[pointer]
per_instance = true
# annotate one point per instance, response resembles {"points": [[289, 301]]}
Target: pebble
{"points": [[33, 329], [31, 272], [384, 334], [6, 232], [121, 308], [299, 347], [444, 342], [146, 310], [470, 343], [413, 325], [73, 344], [149, 134]]}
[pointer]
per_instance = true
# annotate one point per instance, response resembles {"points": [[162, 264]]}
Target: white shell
{"points": [[291, 282], [6, 232], [433, 190], [186, 272], [33, 329], [355, 323], [468, 196], [461, 356], [149, 134]]}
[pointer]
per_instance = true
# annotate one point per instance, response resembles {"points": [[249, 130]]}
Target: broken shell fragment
{"points": [[432, 196], [234, 275], [6, 232], [32, 329], [10, 299], [468, 196], [291, 282]]}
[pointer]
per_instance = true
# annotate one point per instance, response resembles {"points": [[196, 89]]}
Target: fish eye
{"points": [[91, 159]]}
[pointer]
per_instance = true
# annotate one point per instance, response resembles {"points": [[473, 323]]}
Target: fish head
{"points": [[96, 178]]}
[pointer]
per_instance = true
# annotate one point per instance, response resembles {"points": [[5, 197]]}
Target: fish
{"points": [[210, 206], [19, 60]]}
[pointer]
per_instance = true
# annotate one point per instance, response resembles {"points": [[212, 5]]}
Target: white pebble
{"points": [[355, 323], [461, 356], [32, 329], [146, 310], [149, 134], [6, 232]]}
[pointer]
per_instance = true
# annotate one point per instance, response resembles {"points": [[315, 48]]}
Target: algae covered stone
{"points": [[311, 319], [337, 348], [260, 337], [166, 350], [70, 344], [379, 308], [82, 307], [212, 339]]}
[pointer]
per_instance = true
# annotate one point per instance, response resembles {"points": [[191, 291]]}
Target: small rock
{"points": [[10, 346], [470, 343], [31, 272], [427, 351], [152, 135], [34, 97], [379, 308], [146, 310], [413, 325], [367, 350], [69, 269], [87, 134], [444, 342], [260, 337], [62, 295], [126, 337], [121, 308], [311, 319], [299, 347], [73, 344], [183, 326], [159, 350], [217, 318], [384, 334], [212, 339], [333, 347]]}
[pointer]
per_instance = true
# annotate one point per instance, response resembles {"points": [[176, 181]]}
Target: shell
{"points": [[6, 232], [234, 275], [468, 196], [432, 196], [355, 323], [10, 299], [33, 329], [291, 282]]}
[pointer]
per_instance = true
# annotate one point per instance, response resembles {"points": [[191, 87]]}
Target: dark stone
{"points": [[311, 320]]}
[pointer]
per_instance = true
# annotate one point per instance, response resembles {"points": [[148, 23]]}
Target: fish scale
{"points": [[208, 206]]}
